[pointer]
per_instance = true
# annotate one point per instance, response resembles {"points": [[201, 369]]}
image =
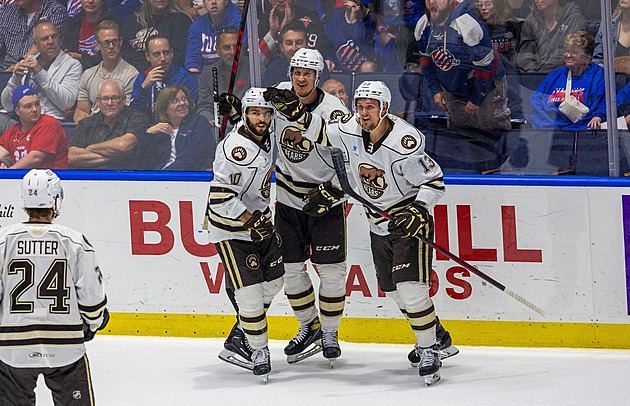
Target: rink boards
{"points": [[557, 242]]}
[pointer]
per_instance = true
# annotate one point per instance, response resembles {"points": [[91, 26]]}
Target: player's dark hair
{"points": [[38, 213]]}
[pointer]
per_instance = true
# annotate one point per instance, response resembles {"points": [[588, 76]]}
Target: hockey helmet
{"points": [[41, 189], [309, 59], [254, 98], [373, 89]]}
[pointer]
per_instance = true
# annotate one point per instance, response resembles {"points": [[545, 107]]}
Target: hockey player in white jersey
{"points": [[51, 301], [315, 232], [240, 221], [389, 167]]}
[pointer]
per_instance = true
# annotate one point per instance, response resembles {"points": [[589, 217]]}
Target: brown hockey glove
{"points": [[320, 199], [286, 102], [259, 226], [410, 221], [88, 334], [230, 105]]}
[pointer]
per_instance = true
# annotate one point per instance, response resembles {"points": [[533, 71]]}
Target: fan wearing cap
{"points": [[239, 217], [52, 300], [37, 140], [387, 165]]}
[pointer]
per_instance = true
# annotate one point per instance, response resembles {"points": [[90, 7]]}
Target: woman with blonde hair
{"points": [[572, 97], [165, 17], [181, 140]]}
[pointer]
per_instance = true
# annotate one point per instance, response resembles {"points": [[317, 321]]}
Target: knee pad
{"points": [[332, 279], [270, 289], [296, 278], [396, 297], [252, 314]]}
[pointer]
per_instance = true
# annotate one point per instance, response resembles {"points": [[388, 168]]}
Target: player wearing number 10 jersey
{"points": [[51, 301]]}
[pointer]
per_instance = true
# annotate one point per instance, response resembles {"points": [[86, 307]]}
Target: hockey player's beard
{"points": [[257, 129]]}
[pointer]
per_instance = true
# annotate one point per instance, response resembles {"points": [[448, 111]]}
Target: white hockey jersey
{"points": [[50, 284], [242, 182], [391, 173], [301, 163]]}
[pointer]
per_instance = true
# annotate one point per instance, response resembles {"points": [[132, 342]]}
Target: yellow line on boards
{"points": [[385, 331]]}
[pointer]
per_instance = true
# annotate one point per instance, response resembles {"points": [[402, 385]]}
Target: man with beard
{"points": [[461, 67], [389, 167], [240, 222]]}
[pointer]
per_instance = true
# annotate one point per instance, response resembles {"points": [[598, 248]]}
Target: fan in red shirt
{"points": [[37, 141]]}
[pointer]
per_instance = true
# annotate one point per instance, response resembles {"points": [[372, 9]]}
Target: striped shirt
{"points": [[16, 32]]}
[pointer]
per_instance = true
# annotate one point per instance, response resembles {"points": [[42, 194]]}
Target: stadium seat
{"points": [[591, 153]]}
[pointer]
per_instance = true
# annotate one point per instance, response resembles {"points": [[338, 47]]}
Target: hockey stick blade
{"points": [[340, 168]]}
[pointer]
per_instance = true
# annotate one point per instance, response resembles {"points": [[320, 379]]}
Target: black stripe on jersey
{"points": [[214, 190], [93, 308], [437, 184], [223, 226], [376, 216], [297, 183], [40, 327], [287, 188], [42, 341]]}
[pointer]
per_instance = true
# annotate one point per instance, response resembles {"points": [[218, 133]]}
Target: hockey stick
{"points": [[340, 169], [237, 57]]}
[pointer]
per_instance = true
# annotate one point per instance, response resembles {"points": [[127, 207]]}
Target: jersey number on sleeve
{"points": [[52, 286]]}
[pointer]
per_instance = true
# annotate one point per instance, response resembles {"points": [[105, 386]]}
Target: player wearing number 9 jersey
{"points": [[51, 300]]}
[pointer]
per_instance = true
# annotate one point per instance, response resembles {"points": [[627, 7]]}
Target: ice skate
{"points": [[237, 350], [331, 348], [262, 363], [447, 350], [306, 343], [429, 367]]}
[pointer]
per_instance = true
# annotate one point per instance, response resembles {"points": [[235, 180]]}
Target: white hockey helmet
{"points": [[254, 98], [373, 89], [309, 59], [41, 189]]}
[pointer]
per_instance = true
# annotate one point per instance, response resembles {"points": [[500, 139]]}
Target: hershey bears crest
{"points": [[265, 188], [408, 142], [372, 180], [295, 147]]}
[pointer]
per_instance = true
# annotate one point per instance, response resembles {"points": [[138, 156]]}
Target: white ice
{"points": [[186, 372]]}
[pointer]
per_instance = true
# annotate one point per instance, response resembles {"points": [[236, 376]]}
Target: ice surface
{"points": [[183, 372]]}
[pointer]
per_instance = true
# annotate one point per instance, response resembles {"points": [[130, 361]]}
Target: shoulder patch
{"points": [[346, 118], [408, 141], [336, 114], [239, 153]]}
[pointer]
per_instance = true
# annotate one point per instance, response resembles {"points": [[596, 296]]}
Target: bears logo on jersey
{"points": [[265, 188], [444, 59], [408, 142], [336, 114], [294, 146], [239, 153], [372, 180], [252, 262], [346, 118]]}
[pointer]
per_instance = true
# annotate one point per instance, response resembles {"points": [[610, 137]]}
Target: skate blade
{"points": [[332, 362], [444, 354], [234, 359], [314, 349], [432, 378], [264, 378], [448, 352]]}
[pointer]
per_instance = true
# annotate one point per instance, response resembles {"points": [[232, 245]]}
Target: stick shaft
{"points": [[340, 169], [235, 61]]}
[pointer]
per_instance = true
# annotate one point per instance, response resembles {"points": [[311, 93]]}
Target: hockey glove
{"points": [[286, 102], [88, 334], [259, 226], [230, 105], [409, 221], [320, 199]]}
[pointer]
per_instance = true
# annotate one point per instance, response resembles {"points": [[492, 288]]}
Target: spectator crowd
{"points": [[136, 77]]}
